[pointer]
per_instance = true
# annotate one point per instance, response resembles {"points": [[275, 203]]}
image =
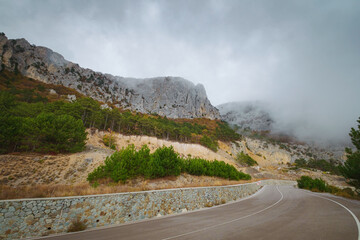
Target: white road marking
{"points": [[224, 223], [352, 214]]}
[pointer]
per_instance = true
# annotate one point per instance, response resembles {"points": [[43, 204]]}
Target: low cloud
{"points": [[301, 57]]}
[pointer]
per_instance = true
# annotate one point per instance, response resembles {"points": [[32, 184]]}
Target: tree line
{"points": [[27, 127], [21, 109]]}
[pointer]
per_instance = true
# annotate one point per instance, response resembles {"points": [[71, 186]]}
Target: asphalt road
{"points": [[275, 212]]}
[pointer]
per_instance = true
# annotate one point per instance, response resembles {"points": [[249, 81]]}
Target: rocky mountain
{"points": [[247, 115], [272, 146], [173, 97]]}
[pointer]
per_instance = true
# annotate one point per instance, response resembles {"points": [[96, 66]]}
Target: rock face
{"points": [[173, 97], [250, 115], [256, 116]]}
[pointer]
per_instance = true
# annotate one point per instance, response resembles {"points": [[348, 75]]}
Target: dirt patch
{"points": [[34, 169]]}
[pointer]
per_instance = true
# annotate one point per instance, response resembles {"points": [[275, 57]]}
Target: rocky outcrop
{"points": [[173, 97], [247, 115], [274, 154]]}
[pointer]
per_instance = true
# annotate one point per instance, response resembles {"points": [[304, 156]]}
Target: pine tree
{"points": [[351, 168]]}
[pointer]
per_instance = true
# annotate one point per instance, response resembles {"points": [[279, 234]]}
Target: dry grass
{"points": [[42, 191], [210, 124], [208, 204], [105, 187], [77, 225], [24, 83]]}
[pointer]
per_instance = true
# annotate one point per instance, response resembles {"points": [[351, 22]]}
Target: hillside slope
{"points": [[65, 174], [32, 169]]}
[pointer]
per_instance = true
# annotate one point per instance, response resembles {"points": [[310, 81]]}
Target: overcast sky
{"points": [[302, 57]]}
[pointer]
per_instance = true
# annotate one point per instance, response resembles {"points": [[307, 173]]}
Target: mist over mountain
{"points": [[277, 119], [176, 97], [300, 57], [247, 115]]}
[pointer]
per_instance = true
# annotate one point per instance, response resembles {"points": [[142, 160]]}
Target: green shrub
{"points": [[95, 184], [300, 162], [351, 168], [164, 162], [319, 164], [349, 191], [209, 143], [312, 184], [55, 133], [109, 141], [245, 159], [129, 163], [319, 185], [198, 167], [225, 133]]}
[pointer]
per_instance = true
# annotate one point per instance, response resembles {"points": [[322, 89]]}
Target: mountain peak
{"points": [[173, 97]]}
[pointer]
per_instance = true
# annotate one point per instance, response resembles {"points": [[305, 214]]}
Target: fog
{"points": [[300, 57]]}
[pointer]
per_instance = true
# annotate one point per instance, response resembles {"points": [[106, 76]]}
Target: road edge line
{"points": [[224, 223], [351, 213]]}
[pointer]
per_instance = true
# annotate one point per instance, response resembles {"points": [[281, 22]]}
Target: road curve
{"points": [[276, 212]]}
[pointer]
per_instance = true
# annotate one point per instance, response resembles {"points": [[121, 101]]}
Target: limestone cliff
{"points": [[173, 97]]}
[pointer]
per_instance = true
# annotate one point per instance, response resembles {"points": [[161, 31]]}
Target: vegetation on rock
{"points": [[245, 159], [319, 164]]}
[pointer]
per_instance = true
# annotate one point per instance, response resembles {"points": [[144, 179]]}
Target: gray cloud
{"points": [[303, 57]]}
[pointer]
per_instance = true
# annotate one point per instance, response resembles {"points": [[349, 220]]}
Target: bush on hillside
{"points": [[198, 167], [319, 185], [129, 163], [164, 162], [320, 164], [312, 184], [209, 143], [109, 141], [245, 159]]}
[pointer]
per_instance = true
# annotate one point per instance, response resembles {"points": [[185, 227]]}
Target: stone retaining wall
{"points": [[39, 217]]}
